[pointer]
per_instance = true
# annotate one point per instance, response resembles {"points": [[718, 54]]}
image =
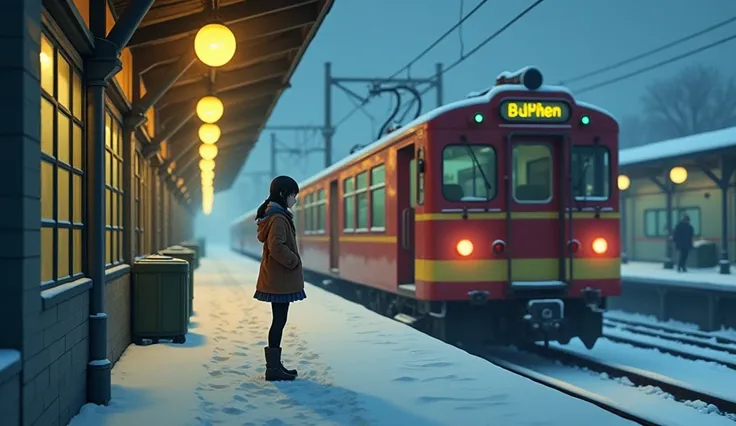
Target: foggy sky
{"points": [[564, 38]]}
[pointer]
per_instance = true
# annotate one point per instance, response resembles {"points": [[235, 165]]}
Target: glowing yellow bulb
{"points": [[215, 45], [208, 152], [209, 133]]}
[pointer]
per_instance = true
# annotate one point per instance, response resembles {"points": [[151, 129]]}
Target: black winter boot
{"points": [[274, 369]]}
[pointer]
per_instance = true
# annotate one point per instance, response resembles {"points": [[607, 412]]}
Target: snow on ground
{"points": [[644, 400], [695, 277], [356, 368], [716, 379]]}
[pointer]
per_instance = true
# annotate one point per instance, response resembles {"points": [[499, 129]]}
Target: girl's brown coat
{"points": [[281, 267]]}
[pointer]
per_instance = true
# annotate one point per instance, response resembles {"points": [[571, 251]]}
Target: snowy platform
{"points": [[356, 368], [655, 274]]}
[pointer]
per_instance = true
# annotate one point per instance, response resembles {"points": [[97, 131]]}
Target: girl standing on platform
{"points": [[280, 278]]}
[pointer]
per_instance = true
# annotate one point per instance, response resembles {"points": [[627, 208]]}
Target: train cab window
{"points": [[420, 177], [361, 198], [591, 173], [467, 173], [532, 173], [348, 201], [378, 198]]}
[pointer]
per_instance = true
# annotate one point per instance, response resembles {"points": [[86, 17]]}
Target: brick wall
{"points": [[10, 388], [117, 304], [55, 378]]}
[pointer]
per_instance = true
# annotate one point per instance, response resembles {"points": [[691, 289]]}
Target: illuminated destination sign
{"points": [[538, 111]]}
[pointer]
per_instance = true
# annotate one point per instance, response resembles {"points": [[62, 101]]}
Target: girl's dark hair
{"points": [[281, 188]]}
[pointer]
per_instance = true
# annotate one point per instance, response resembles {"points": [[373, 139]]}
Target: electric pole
{"points": [[276, 150], [377, 85]]}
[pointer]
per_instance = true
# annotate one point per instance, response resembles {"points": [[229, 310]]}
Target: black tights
{"points": [[280, 313]]}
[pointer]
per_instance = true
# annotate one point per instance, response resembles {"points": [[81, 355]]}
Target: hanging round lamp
{"points": [[210, 109], [208, 152], [209, 133], [207, 165], [215, 45]]}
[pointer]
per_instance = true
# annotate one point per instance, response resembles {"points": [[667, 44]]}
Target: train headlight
{"points": [[600, 245], [464, 247]]}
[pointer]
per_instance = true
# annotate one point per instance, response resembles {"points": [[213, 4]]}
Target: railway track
{"points": [[659, 329], [673, 336], [681, 391]]}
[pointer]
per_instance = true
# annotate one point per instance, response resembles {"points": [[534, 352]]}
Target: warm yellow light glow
{"points": [[465, 247], [210, 109], [207, 174], [209, 133], [208, 152], [180, 182], [215, 45], [600, 245], [208, 181], [678, 175], [623, 182], [46, 61], [207, 165]]}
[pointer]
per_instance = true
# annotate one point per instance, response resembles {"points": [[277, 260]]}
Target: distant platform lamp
{"points": [[677, 176], [623, 185]]}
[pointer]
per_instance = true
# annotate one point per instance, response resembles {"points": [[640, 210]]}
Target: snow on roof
{"points": [[412, 126], [679, 147]]}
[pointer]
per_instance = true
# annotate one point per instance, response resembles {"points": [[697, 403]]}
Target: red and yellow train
{"points": [[489, 220]]}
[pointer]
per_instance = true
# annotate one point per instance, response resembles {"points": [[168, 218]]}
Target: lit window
{"points": [[378, 198], [467, 173], [62, 168], [113, 190]]}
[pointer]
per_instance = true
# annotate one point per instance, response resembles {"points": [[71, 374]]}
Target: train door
{"points": [[334, 227], [406, 190], [536, 213]]}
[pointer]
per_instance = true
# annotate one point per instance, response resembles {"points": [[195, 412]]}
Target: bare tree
{"points": [[634, 131], [698, 99]]}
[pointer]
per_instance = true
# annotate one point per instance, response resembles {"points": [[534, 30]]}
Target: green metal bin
{"points": [[183, 253], [193, 246], [160, 299]]}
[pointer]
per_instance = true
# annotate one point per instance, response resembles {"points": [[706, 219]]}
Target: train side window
{"points": [[361, 197], [378, 198], [309, 220], [462, 178], [413, 183], [591, 172], [297, 219], [348, 202], [321, 207], [421, 166], [532, 173]]}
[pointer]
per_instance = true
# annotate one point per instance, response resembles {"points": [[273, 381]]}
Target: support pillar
{"points": [[99, 69], [624, 231], [668, 188], [727, 170]]}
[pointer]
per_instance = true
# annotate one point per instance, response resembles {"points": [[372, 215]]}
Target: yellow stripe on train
{"points": [[521, 269], [423, 217]]}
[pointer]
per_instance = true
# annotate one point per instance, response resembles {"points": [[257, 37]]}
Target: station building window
{"points": [[378, 198], [113, 190], [463, 171], [532, 173], [348, 189], [141, 196], [591, 172], [655, 221], [361, 198], [62, 165]]}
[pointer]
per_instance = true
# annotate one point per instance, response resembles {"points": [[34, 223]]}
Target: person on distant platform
{"points": [[683, 239], [280, 278]]}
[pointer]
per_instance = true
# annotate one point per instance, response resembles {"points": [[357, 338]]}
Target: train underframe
{"points": [[474, 325]]}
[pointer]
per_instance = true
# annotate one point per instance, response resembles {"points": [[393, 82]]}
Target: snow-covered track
{"points": [[669, 329], [577, 392], [674, 336], [681, 391]]}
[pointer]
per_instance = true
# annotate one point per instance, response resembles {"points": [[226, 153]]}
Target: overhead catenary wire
{"points": [[656, 65], [462, 57], [648, 52]]}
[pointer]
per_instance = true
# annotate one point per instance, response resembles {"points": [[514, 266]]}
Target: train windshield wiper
{"points": [[477, 165], [578, 187]]}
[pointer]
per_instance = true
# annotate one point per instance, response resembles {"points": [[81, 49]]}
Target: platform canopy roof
{"points": [[272, 37], [702, 149]]}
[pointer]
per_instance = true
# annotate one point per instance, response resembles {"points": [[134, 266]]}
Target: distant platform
{"points": [[699, 278], [355, 367]]}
